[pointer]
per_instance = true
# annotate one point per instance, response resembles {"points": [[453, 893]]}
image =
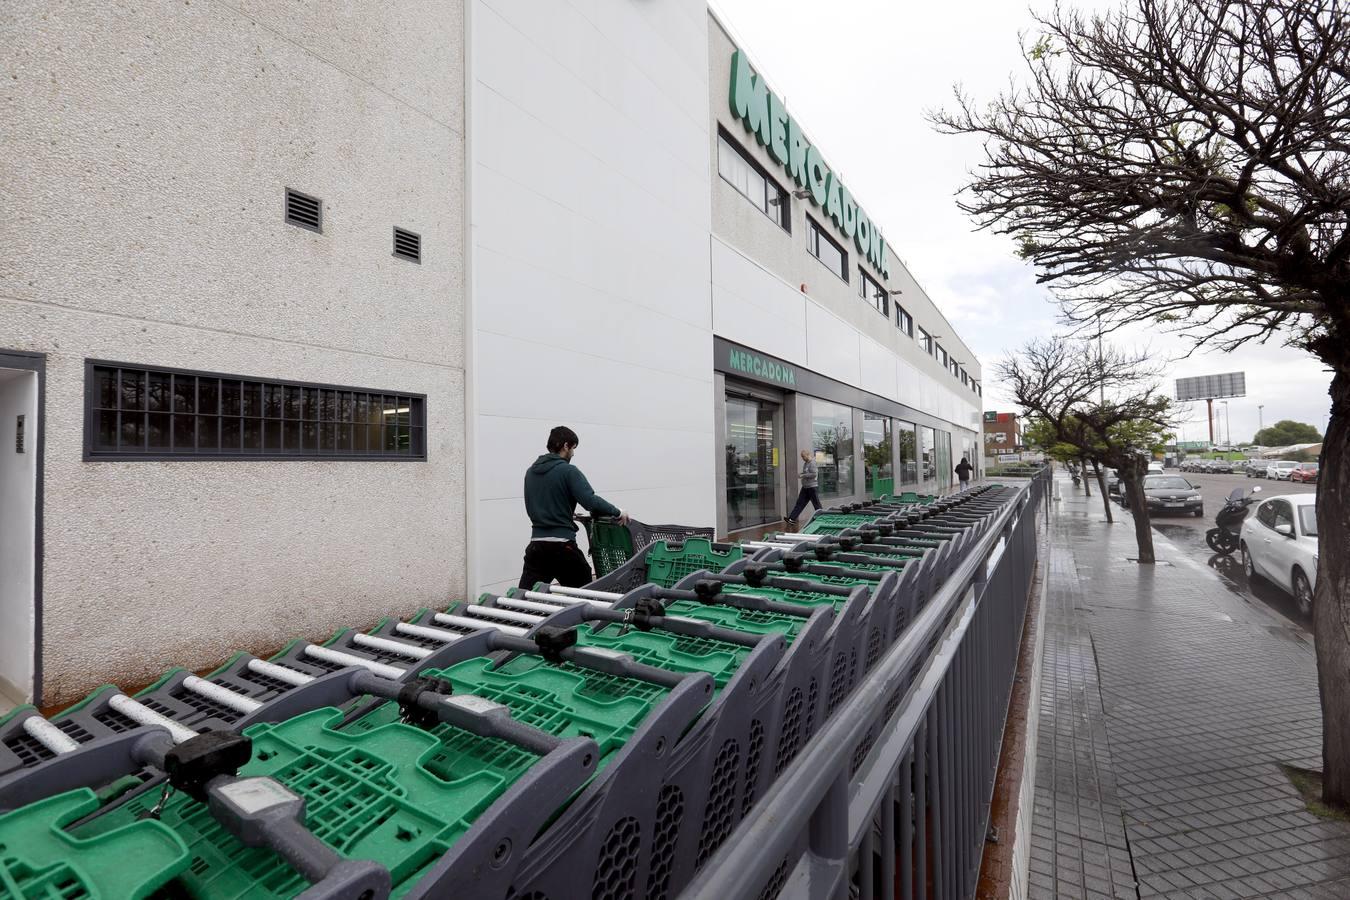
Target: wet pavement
{"points": [[1170, 698], [1188, 533]]}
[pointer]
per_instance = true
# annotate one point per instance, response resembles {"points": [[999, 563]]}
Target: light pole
{"points": [[1260, 425], [1227, 427]]}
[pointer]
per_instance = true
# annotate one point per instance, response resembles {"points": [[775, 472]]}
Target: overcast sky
{"points": [[859, 75]]}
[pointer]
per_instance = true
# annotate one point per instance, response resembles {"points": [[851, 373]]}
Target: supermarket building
{"points": [[289, 298]]}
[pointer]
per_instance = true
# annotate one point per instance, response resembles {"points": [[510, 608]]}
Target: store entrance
{"points": [[753, 451]]}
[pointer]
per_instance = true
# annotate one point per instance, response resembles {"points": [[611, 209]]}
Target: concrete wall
{"points": [[590, 304], [146, 151], [758, 271], [18, 397]]}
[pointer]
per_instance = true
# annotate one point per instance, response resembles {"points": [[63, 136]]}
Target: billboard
{"points": [[1212, 387]]}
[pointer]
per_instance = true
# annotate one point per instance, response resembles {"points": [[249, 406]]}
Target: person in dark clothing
{"points": [[808, 493], [963, 470], [553, 488]]}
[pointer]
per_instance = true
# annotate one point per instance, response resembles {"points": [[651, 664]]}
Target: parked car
{"points": [[1155, 468], [1255, 468], [1222, 467], [1304, 473], [1279, 544], [1279, 470], [1172, 494]]}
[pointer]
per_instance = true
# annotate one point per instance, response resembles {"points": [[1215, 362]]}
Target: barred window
{"points": [[141, 413]]}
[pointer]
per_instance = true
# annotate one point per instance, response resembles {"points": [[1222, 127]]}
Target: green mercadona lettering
{"points": [[751, 364], [762, 113]]}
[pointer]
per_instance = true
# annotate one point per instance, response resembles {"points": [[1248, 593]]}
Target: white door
{"points": [[18, 532]]}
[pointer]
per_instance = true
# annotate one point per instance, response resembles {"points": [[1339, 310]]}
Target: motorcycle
{"points": [[1224, 538]]}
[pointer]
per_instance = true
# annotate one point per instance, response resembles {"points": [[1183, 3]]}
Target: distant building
{"points": [[1002, 433]]}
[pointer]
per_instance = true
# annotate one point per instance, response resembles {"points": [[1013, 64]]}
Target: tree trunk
{"points": [[1132, 482], [1331, 599], [1082, 467], [1101, 484]]}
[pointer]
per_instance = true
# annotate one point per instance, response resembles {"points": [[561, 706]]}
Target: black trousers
{"points": [[807, 495], [549, 560]]}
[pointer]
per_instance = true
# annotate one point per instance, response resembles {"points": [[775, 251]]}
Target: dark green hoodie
{"points": [[553, 488]]}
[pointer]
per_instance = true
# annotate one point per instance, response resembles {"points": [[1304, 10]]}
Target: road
{"points": [[1189, 534]]}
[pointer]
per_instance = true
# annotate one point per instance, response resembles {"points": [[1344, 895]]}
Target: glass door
{"points": [[752, 452]]}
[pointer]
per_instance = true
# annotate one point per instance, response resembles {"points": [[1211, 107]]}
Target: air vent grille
{"points": [[304, 210], [407, 245]]}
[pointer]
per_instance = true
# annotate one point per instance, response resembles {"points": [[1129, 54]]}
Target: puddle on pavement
{"points": [[1229, 569]]}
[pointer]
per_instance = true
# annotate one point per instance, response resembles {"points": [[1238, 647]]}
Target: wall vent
{"points": [[304, 210], [407, 245]]}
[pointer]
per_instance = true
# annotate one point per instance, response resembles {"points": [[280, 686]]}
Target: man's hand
{"points": [[623, 517]]}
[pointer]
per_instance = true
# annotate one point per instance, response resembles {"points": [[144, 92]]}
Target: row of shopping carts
{"points": [[554, 743]]}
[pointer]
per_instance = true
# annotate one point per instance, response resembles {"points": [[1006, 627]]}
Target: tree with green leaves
{"points": [[1286, 432], [1185, 164], [1096, 404]]}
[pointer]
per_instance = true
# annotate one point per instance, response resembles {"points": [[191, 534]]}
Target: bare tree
{"points": [[1102, 405], [1187, 163]]}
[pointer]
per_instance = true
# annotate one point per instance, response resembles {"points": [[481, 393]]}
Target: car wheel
{"points": [[1303, 594], [1200, 513], [1249, 565]]}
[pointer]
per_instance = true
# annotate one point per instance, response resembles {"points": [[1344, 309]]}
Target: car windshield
{"points": [[1309, 467], [1166, 483], [1307, 520]]}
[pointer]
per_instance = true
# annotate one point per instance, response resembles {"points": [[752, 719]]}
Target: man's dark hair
{"points": [[561, 436]]}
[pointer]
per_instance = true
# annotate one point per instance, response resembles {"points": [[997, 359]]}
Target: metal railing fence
{"points": [[892, 797]]}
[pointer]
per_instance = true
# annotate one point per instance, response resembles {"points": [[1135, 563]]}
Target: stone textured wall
{"points": [[146, 149]]}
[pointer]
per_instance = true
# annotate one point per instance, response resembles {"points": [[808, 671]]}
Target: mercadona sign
{"points": [[762, 113]]}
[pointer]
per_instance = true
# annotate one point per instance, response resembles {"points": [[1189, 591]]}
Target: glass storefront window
{"points": [[877, 465], [909, 460], [832, 440], [751, 486], [944, 458], [927, 451]]}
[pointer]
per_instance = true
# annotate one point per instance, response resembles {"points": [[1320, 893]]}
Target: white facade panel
{"points": [[878, 369], [832, 346], [752, 307], [590, 297], [908, 384]]}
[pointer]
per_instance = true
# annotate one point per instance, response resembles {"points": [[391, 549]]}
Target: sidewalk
{"points": [[1168, 703]]}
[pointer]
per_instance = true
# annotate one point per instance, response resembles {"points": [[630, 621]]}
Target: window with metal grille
{"points": [[871, 290], [925, 341], [407, 245], [140, 413], [824, 248], [304, 210]]}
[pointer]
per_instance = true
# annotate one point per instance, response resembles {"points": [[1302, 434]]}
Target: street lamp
{"points": [[1260, 424], [1227, 426]]}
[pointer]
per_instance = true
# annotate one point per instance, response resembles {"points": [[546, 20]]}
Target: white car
{"points": [[1155, 468], [1280, 469], [1279, 543]]}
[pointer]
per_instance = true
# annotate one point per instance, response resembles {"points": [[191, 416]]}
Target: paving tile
{"points": [[1167, 705]]}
